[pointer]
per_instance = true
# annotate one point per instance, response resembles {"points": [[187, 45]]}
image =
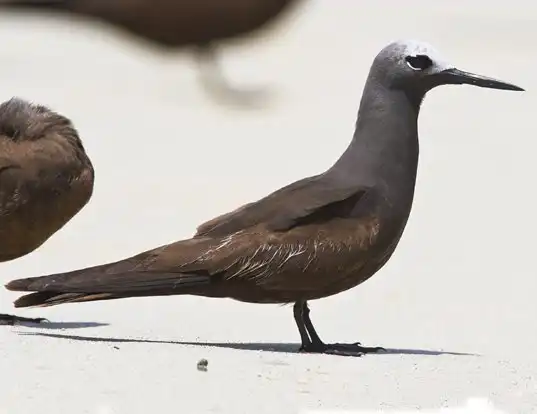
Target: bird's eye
{"points": [[419, 62]]}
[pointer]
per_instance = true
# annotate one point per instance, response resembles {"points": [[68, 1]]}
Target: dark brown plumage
{"points": [[264, 253], [299, 243], [314, 238], [45, 178], [199, 24]]}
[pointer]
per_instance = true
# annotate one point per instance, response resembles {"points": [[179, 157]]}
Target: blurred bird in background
{"points": [[198, 25]]}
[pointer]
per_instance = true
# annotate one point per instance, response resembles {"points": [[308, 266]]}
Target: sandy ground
{"points": [[455, 305]]}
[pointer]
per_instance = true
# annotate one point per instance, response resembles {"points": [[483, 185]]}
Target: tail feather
{"points": [[95, 284], [92, 281], [45, 299], [150, 273]]}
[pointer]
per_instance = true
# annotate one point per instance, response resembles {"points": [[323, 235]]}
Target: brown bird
{"points": [[311, 239], [196, 24], [45, 179]]}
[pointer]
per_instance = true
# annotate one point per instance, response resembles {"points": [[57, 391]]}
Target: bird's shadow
{"points": [[289, 348], [61, 325]]}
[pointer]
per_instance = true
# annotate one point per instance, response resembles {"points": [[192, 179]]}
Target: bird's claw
{"points": [[354, 349]]}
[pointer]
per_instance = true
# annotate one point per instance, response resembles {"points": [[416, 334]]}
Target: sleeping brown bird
{"points": [[198, 24], [311, 239], [45, 179]]}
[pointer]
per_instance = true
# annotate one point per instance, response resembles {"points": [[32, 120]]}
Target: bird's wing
{"points": [[212, 227], [284, 208], [291, 261], [226, 250]]}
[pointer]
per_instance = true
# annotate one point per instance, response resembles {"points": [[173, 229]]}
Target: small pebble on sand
{"points": [[202, 364]]}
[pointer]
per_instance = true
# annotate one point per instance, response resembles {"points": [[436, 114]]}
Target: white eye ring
{"points": [[423, 62], [411, 67]]}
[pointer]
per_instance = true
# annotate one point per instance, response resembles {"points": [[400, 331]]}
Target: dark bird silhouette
{"points": [[311, 239], [45, 179], [196, 24]]}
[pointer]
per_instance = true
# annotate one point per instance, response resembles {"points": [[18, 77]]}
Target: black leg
{"points": [[298, 312], [316, 345], [214, 81], [309, 326], [6, 319]]}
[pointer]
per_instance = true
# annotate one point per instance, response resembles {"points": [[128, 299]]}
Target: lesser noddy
{"points": [[311, 239], [46, 178], [196, 24]]}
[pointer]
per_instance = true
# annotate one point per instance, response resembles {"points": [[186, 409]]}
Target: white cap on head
{"points": [[413, 47]]}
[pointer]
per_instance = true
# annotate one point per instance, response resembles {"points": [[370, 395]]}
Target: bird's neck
{"points": [[384, 150]]}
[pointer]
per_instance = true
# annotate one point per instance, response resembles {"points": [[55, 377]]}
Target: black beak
{"points": [[459, 77]]}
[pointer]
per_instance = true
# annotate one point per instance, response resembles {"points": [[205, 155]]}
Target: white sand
{"points": [[463, 279]]}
